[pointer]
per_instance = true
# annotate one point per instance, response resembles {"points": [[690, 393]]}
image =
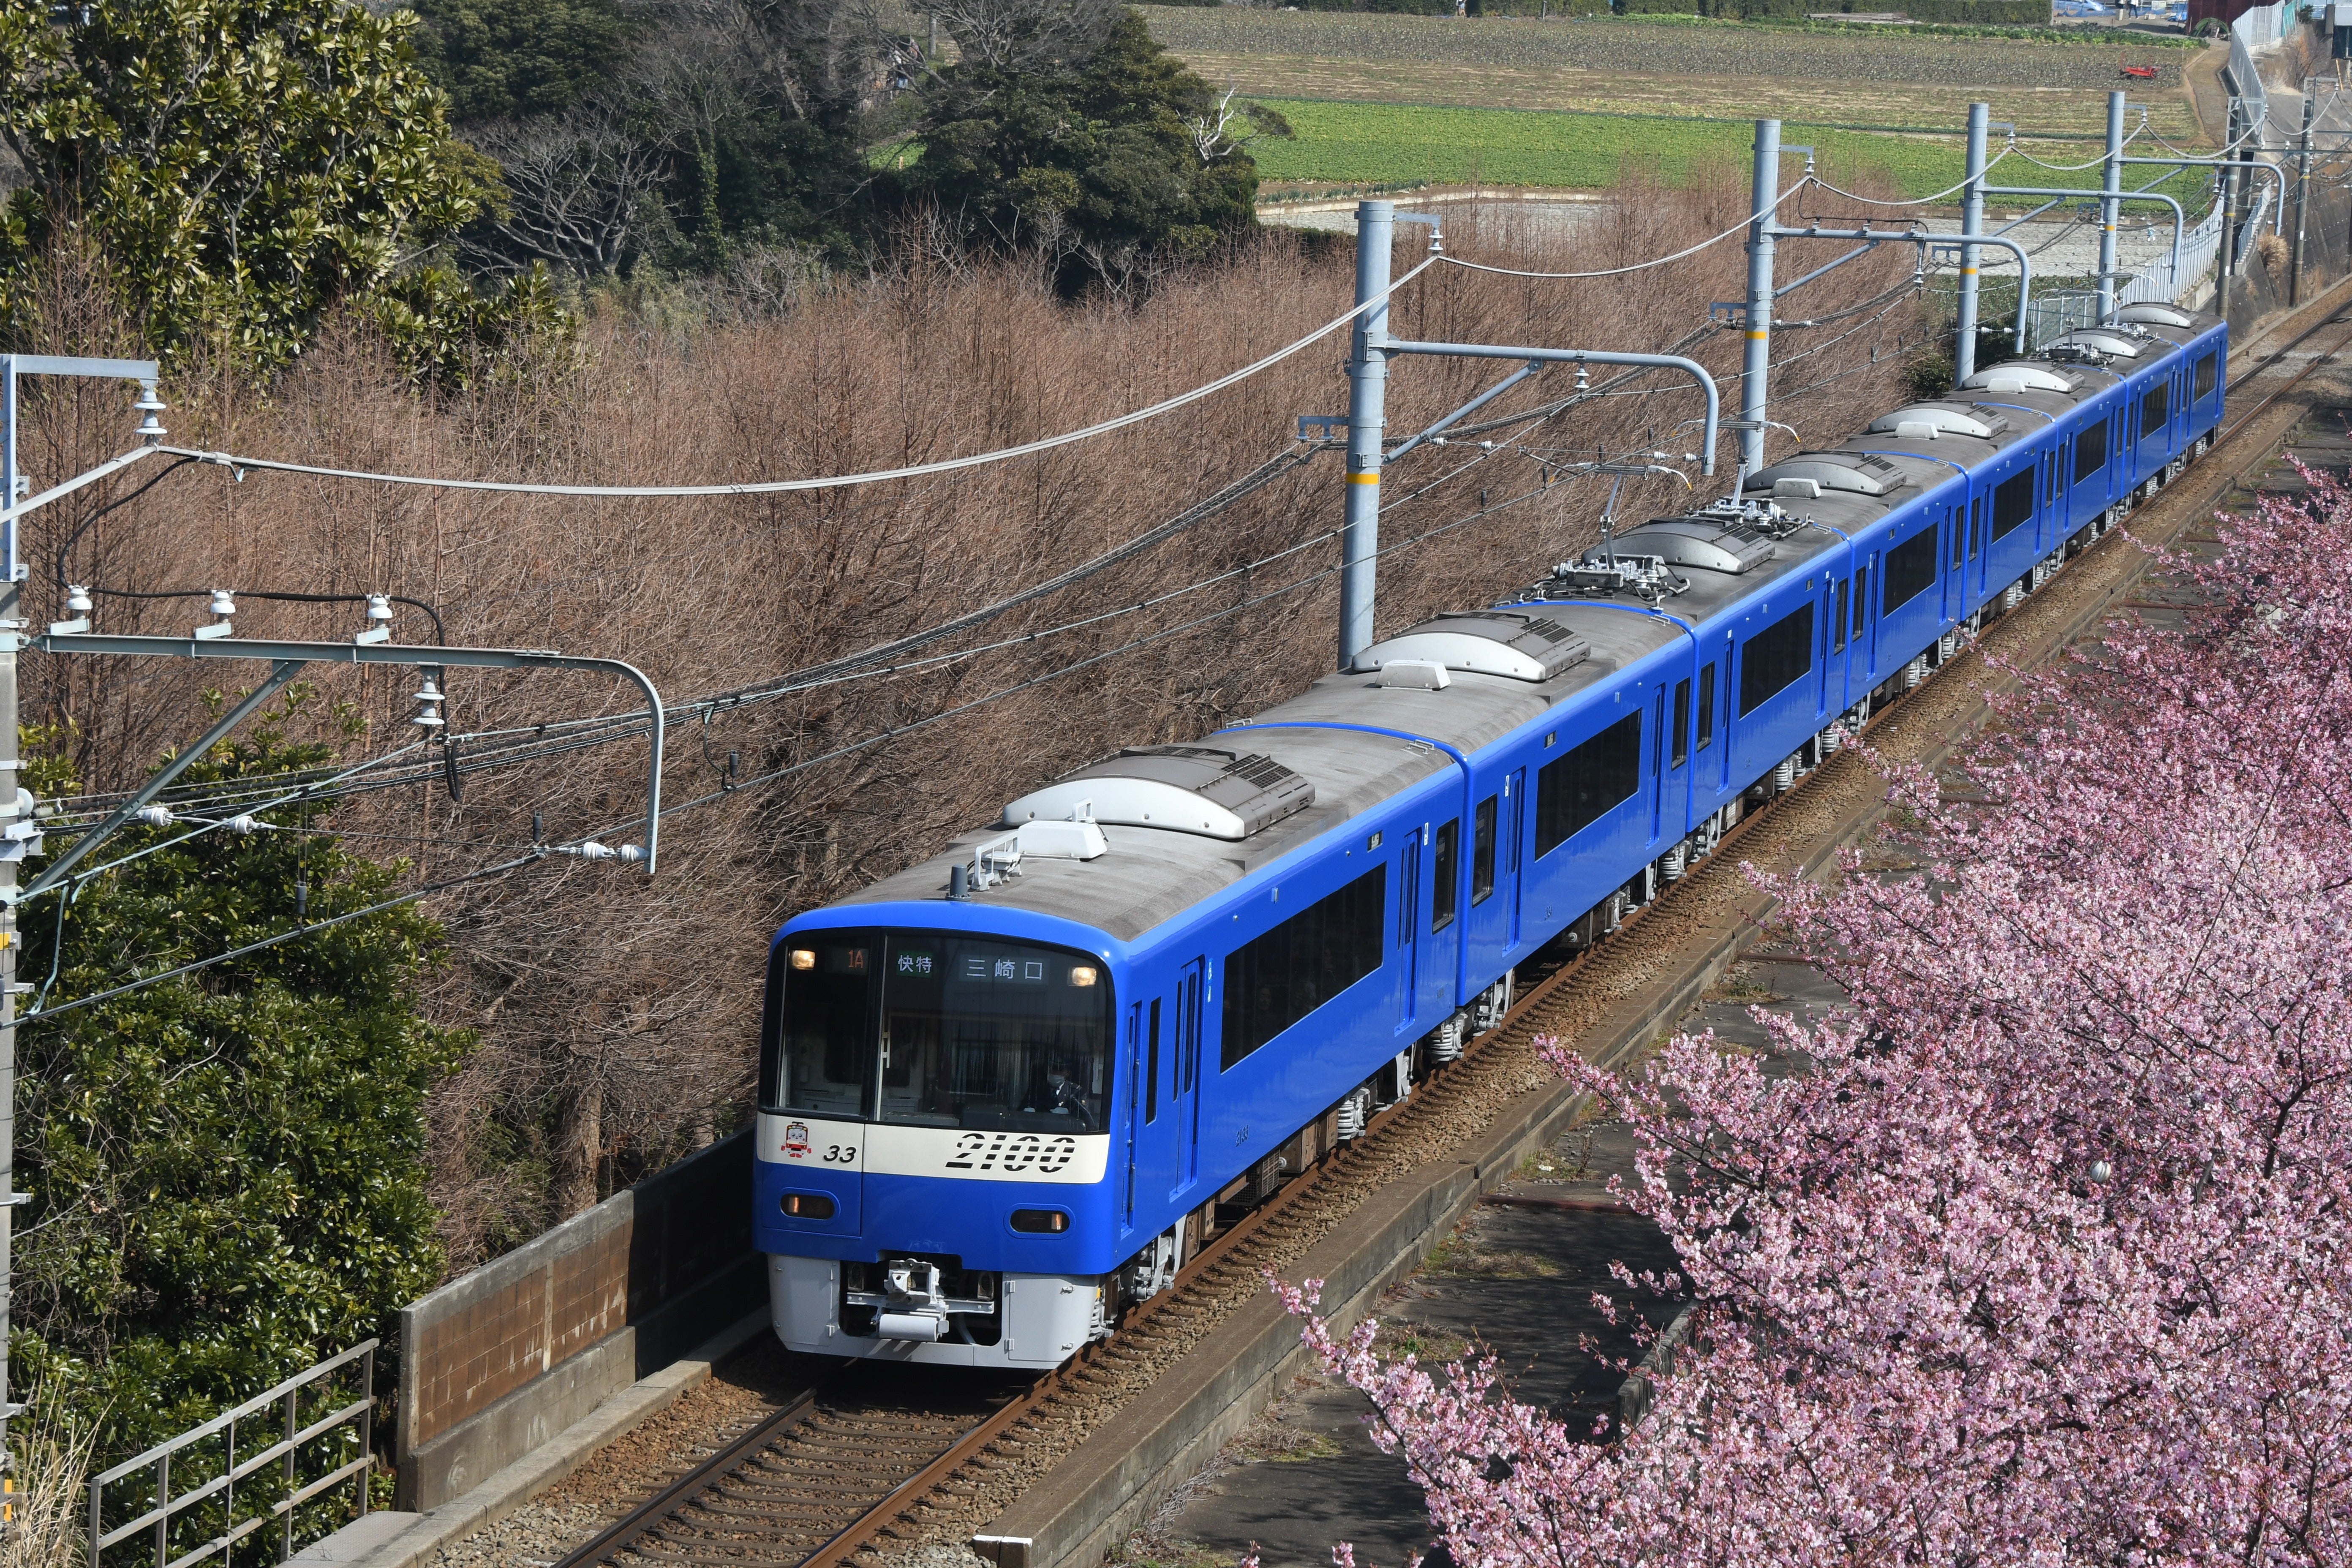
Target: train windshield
{"points": [[936, 1030]]}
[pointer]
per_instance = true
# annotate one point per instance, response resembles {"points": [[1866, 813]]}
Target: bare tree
{"points": [[578, 184], [1020, 33]]}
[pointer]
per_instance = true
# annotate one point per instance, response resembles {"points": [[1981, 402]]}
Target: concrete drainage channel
{"points": [[1098, 1453]]}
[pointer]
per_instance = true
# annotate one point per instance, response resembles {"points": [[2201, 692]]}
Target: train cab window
{"points": [[994, 1035], [826, 1022], [2155, 410], [1910, 571], [1446, 885], [1706, 708], [1861, 598], [1837, 621], [2205, 376], [1680, 749], [1574, 791], [1275, 980], [2013, 503], [2090, 451], [1482, 852], [1776, 658], [1151, 1066]]}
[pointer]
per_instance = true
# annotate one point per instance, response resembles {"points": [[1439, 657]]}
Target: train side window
{"points": [[2205, 376], [1910, 569], [1959, 535], [1706, 708], [1975, 526], [2090, 451], [1837, 622], [1447, 891], [1151, 1067], [1860, 599], [1680, 749], [1482, 853], [2013, 503], [1776, 658], [1574, 791], [2155, 410], [1275, 980]]}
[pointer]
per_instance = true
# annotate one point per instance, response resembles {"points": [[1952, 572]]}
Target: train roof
{"points": [[1254, 791]]}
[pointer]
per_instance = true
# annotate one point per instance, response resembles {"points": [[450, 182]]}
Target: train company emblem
{"points": [[1010, 1152], [796, 1139]]}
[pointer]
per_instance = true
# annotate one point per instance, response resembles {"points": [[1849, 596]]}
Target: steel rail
{"points": [[626, 1531]]}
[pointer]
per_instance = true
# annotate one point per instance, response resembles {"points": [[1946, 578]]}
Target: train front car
{"points": [[947, 1088]]}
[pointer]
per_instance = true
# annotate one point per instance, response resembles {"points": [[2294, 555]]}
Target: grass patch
{"points": [[1394, 144], [1420, 1341]]}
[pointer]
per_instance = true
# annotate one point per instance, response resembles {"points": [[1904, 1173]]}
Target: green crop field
{"points": [[1355, 144]]}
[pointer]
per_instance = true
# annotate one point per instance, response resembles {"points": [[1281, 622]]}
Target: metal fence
{"points": [[323, 1440]]}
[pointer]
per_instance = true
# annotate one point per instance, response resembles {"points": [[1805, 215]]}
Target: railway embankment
{"points": [[1102, 1445]]}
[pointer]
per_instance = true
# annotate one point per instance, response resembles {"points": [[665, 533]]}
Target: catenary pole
{"points": [[2109, 207], [1368, 377], [1964, 346], [17, 837], [2302, 199], [1764, 197]]}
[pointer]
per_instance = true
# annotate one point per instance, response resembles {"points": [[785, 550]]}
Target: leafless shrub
{"points": [[617, 1014], [578, 185]]}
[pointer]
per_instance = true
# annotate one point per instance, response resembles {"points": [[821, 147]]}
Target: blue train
{"points": [[1007, 1092]]}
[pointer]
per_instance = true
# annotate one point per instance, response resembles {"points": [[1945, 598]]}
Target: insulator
{"points": [[155, 815], [223, 603]]}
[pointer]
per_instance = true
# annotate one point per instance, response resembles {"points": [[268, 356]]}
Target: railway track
{"points": [[839, 1470]]}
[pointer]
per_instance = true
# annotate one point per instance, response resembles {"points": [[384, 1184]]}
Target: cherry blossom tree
{"points": [[2045, 1256]]}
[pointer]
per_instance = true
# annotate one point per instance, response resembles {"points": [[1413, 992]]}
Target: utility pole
{"points": [[19, 834], [2228, 194], [2302, 199], [1763, 200], [1964, 346], [2110, 207], [1368, 385]]}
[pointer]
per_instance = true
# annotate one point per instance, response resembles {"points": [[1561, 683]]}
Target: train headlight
{"points": [[808, 1205], [1083, 974], [1040, 1222], [804, 958]]}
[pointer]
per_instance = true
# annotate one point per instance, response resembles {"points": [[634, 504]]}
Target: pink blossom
{"points": [[2046, 1257]]}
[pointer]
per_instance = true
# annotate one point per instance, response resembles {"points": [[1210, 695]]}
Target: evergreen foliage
{"points": [[227, 1169], [497, 59], [243, 165], [1116, 157]]}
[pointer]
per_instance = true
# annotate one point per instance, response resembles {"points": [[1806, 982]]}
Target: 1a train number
{"points": [[840, 1153]]}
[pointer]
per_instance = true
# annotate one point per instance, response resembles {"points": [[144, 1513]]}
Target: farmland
{"points": [[1358, 145], [1397, 99]]}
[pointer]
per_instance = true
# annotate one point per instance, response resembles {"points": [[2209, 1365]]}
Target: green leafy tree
{"points": [[1117, 158], [227, 1169], [242, 164], [499, 58]]}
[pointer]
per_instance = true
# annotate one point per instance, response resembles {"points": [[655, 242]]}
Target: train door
{"points": [[1137, 1076], [1658, 764], [1409, 928], [1515, 797], [1184, 1099]]}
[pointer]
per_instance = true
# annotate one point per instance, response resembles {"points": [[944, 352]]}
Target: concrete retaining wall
{"points": [[501, 1360]]}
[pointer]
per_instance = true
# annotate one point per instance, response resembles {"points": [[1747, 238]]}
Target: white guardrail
{"points": [[238, 1496]]}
